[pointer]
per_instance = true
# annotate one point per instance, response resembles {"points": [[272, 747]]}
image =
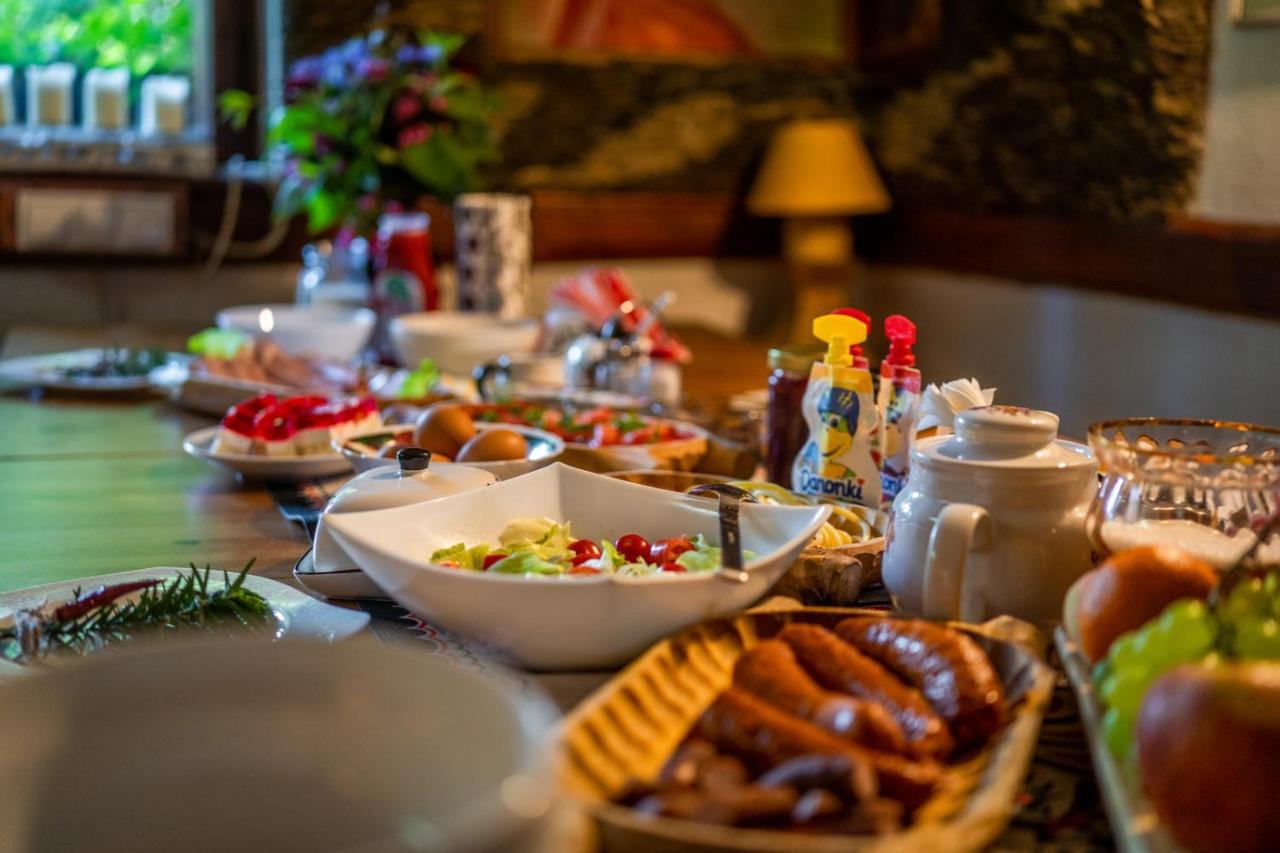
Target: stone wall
{"points": [[1069, 107]]}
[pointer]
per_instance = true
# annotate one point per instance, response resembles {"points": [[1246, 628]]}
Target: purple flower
{"points": [[323, 145], [414, 134], [373, 68], [406, 108], [335, 74], [352, 51], [427, 54], [306, 72]]}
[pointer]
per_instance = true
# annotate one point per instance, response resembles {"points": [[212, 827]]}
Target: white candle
{"points": [[164, 104], [49, 94], [7, 115], [106, 98]]}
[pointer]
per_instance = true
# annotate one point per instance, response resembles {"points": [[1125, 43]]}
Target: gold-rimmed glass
{"points": [[1209, 487]]}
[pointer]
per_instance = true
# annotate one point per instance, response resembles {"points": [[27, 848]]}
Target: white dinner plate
{"points": [[46, 371], [285, 468], [298, 615]]}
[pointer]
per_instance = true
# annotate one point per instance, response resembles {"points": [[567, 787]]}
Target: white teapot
{"points": [[992, 519]]}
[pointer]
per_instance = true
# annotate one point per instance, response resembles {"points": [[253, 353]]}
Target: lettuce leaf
{"points": [[547, 539], [703, 559], [466, 558], [525, 563]]}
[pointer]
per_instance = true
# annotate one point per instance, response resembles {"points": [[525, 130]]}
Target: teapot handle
{"points": [[959, 529]]}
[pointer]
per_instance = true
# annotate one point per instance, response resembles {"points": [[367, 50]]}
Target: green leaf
{"points": [[325, 209], [236, 107], [442, 165]]}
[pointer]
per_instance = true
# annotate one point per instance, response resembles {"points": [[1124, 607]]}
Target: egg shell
{"points": [[443, 429], [493, 445]]}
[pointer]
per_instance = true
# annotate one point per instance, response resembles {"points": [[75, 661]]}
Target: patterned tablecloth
{"points": [[1059, 808]]}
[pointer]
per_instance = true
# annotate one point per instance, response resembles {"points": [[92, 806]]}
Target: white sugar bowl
{"points": [[992, 519]]}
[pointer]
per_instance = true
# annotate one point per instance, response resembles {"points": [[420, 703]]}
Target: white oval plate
{"points": [[46, 371], [286, 468], [298, 615]]}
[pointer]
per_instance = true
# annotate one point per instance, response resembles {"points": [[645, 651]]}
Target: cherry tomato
{"points": [[642, 435], [493, 558], [604, 435], [633, 548], [669, 550], [583, 570], [672, 567], [583, 550]]}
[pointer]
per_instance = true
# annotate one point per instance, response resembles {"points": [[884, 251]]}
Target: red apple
{"points": [[1209, 752]]}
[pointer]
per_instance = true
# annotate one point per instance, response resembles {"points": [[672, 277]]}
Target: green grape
{"points": [[1247, 600], [1123, 691], [1258, 639], [1124, 652], [1190, 630], [1156, 646], [1117, 730]]}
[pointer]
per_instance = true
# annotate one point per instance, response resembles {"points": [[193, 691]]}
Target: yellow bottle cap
{"points": [[839, 332]]}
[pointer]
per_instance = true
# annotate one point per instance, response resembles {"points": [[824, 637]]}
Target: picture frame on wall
{"points": [[1255, 13], [866, 33]]}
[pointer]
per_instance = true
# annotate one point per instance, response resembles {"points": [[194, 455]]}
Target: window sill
{"points": [[77, 151]]}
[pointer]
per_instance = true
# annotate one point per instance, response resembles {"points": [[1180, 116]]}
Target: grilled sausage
{"points": [[742, 725], [769, 670], [837, 666], [949, 668]]}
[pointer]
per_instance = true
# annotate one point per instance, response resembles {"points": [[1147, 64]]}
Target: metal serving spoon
{"points": [[730, 499]]}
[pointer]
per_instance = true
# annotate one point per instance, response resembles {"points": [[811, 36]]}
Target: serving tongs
{"points": [[730, 502]]}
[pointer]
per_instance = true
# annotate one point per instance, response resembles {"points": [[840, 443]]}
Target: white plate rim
{"points": [[29, 371], [300, 615], [199, 443]]}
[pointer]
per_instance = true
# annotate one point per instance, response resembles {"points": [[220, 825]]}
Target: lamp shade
{"points": [[817, 168]]}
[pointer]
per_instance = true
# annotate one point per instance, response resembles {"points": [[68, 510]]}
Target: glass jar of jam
{"points": [[785, 429]]}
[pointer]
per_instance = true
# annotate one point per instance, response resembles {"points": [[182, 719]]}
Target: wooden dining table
{"points": [[96, 484], [91, 485]]}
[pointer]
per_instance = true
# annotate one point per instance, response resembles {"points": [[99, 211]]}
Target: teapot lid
{"points": [[1006, 437], [413, 480]]}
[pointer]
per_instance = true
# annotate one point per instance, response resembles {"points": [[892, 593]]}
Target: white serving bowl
{"points": [[329, 331], [542, 448], [271, 746], [558, 623], [457, 341]]}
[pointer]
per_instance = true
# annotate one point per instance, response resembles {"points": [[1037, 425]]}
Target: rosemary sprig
{"points": [[184, 601]]}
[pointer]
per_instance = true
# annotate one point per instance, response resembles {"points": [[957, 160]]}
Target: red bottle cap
{"points": [[859, 360], [901, 333]]}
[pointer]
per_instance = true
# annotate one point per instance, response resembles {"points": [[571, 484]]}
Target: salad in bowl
{"points": [[541, 546], [605, 439], [529, 603]]}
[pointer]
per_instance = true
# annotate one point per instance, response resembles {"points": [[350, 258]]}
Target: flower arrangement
{"points": [[373, 124]]}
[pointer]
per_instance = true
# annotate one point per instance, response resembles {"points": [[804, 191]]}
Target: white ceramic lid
{"points": [[406, 483], [1006, 437]]}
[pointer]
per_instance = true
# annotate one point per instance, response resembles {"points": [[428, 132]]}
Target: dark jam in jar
{"points": [[785, 429]]}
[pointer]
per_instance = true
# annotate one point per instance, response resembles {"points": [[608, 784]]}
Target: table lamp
{"points": [[816, 174]]}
